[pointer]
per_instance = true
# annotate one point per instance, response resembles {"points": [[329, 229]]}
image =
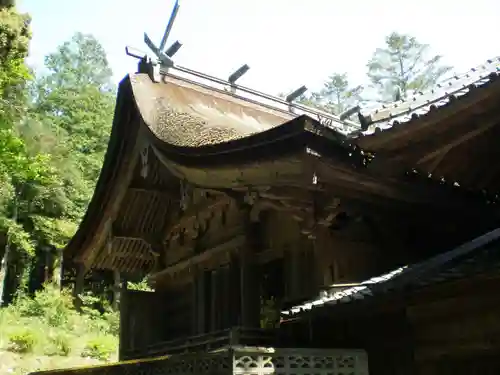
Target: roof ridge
{"points": [[273, 102]]}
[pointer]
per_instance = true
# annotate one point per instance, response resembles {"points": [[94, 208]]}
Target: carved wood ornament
{"points": [[318, 210]]}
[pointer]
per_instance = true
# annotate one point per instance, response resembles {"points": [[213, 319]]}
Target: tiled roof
{"points": [[424, 102], [343, 294], [478, 256]]}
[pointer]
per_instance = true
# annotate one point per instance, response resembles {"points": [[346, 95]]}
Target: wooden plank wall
{"points": [[457, 328], [147, 318], [216, 299], [331, 257]]}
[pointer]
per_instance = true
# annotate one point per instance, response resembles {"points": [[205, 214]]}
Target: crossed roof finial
{"points": [[163, 57]]}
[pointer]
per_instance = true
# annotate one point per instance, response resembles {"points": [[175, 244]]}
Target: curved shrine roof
{"points": [[190, 126], [182, 114], [218, 139]]}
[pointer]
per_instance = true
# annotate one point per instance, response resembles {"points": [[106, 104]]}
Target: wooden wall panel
{"points": [[458, 333], [147, 318]]}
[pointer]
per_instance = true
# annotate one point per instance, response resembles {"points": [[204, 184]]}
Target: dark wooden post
{"points": [[249, 276], [250, 293], [124, 336], [79, 284], [200, 302], [214, 300], [116, 289], [234, 297], [194, 303]]}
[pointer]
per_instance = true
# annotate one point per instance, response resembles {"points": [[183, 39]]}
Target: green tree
{"points": [[14, 43], [403, 67], [75, 101], [312, 100], [70, 119], [337, 95], [7, 3], [21, 173], [52, 152], [79, 62]]}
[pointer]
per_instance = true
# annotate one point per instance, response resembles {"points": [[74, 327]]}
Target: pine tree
{"points": [[403, 67]]}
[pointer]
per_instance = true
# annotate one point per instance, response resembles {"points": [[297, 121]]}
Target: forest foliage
{"points": [[399, 69], [54, 129]]}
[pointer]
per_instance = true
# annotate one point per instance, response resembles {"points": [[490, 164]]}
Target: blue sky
{"points": [[287, 43]]}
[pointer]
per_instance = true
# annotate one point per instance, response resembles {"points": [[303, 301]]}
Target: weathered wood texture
{"points": [[147, 318], [457, 328]]}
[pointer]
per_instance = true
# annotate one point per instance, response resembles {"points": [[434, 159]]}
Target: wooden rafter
{"points": [[440, 153]]}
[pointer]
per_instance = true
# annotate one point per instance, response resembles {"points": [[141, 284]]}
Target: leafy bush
{"points": [[59, 344], [106, 322], [50, 304], [142, 286], [22, 341], [100, 348], [112, 318], [49, 325]]}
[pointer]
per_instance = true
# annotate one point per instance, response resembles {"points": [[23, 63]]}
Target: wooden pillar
{"points": [[234, 292], [249, 276], [79, 284], [219, 297], [116, 289], [214, 300], [46, 265], [225, 297], [201, 310], [124, 336], [58, 273], [294, 269], [194, 304], [250, 294]]}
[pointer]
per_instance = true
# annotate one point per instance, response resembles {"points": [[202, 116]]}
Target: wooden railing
{"points": [[205, 343]]}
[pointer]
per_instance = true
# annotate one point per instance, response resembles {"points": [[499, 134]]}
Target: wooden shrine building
{"points": [[237, 205]]}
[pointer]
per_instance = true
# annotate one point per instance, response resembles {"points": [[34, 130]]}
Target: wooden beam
{"points": [[136, 237], [387, 192], [134, 256], [167, 193], [441, 152], [196, 260]]}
